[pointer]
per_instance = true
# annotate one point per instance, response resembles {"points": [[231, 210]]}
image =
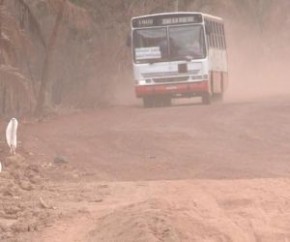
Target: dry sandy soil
{"points": [[184, 173]]}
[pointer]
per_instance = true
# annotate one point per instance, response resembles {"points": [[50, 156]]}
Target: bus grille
{"points": [[171, 79]]}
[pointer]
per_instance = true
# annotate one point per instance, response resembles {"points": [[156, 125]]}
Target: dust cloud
{"points": [[258, 62]]}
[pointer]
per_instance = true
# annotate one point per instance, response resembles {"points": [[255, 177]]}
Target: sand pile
{"points": [[197, 211], [141, 222], [21, 207]]}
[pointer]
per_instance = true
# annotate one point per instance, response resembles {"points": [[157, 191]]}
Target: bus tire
{"points": [[218, 97], [206, 99], [148, 102], [157, 101], [166, 101]]}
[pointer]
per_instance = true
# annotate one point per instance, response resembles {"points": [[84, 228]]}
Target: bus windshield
{"points": [[166, 44]]}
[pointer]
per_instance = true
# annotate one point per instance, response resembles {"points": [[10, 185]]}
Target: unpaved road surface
{"points": [[184, 173]]}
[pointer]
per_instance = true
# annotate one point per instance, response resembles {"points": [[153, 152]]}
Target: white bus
{"points": [[180, 54]]}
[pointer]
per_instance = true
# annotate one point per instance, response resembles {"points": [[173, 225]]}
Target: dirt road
{"points": [[222, 141], [184, 173]]}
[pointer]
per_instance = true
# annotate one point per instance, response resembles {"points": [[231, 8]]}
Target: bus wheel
{"points": [[218, 97], [148, 102], [162, 101], [206, 98], [166, 101]]}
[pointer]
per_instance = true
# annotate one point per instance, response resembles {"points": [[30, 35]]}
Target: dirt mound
{"points": [[186, 173], [140, 222], [22, 209], [198, 211], [159, 220]]}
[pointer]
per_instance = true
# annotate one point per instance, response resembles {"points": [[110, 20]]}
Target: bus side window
{"points": [[207, 32], [208, 40], [220, 37], [215, 37], [207, 28], [212, 34], [224, 38]]}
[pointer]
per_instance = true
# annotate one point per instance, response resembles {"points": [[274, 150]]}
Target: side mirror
{"points": [[128, 41]]}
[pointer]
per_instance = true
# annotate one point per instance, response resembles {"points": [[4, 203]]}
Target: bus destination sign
{"points": [[165, 20]]}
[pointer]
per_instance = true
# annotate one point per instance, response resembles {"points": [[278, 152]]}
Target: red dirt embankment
{"points": [[185, 173]]}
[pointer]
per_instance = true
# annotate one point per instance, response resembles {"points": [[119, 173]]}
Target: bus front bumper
{"points": [[183, 89]]}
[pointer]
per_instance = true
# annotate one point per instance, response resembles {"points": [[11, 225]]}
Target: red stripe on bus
{"points": [[181, 88]]}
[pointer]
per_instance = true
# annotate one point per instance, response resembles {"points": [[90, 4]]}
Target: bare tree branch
{"points": [[28, 20]]}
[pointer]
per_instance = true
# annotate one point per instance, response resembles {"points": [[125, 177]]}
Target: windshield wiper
{"points": [[186, 58], [152, 61]]}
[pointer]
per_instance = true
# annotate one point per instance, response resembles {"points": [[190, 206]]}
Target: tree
{"points": [[12, 28], [65, 11], [16, 89]]}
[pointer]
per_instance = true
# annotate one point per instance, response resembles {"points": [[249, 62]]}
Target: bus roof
{"points": [[179, 13]]}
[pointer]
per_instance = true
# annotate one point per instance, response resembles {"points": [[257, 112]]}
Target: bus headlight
{"points": [[143, 82]]}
